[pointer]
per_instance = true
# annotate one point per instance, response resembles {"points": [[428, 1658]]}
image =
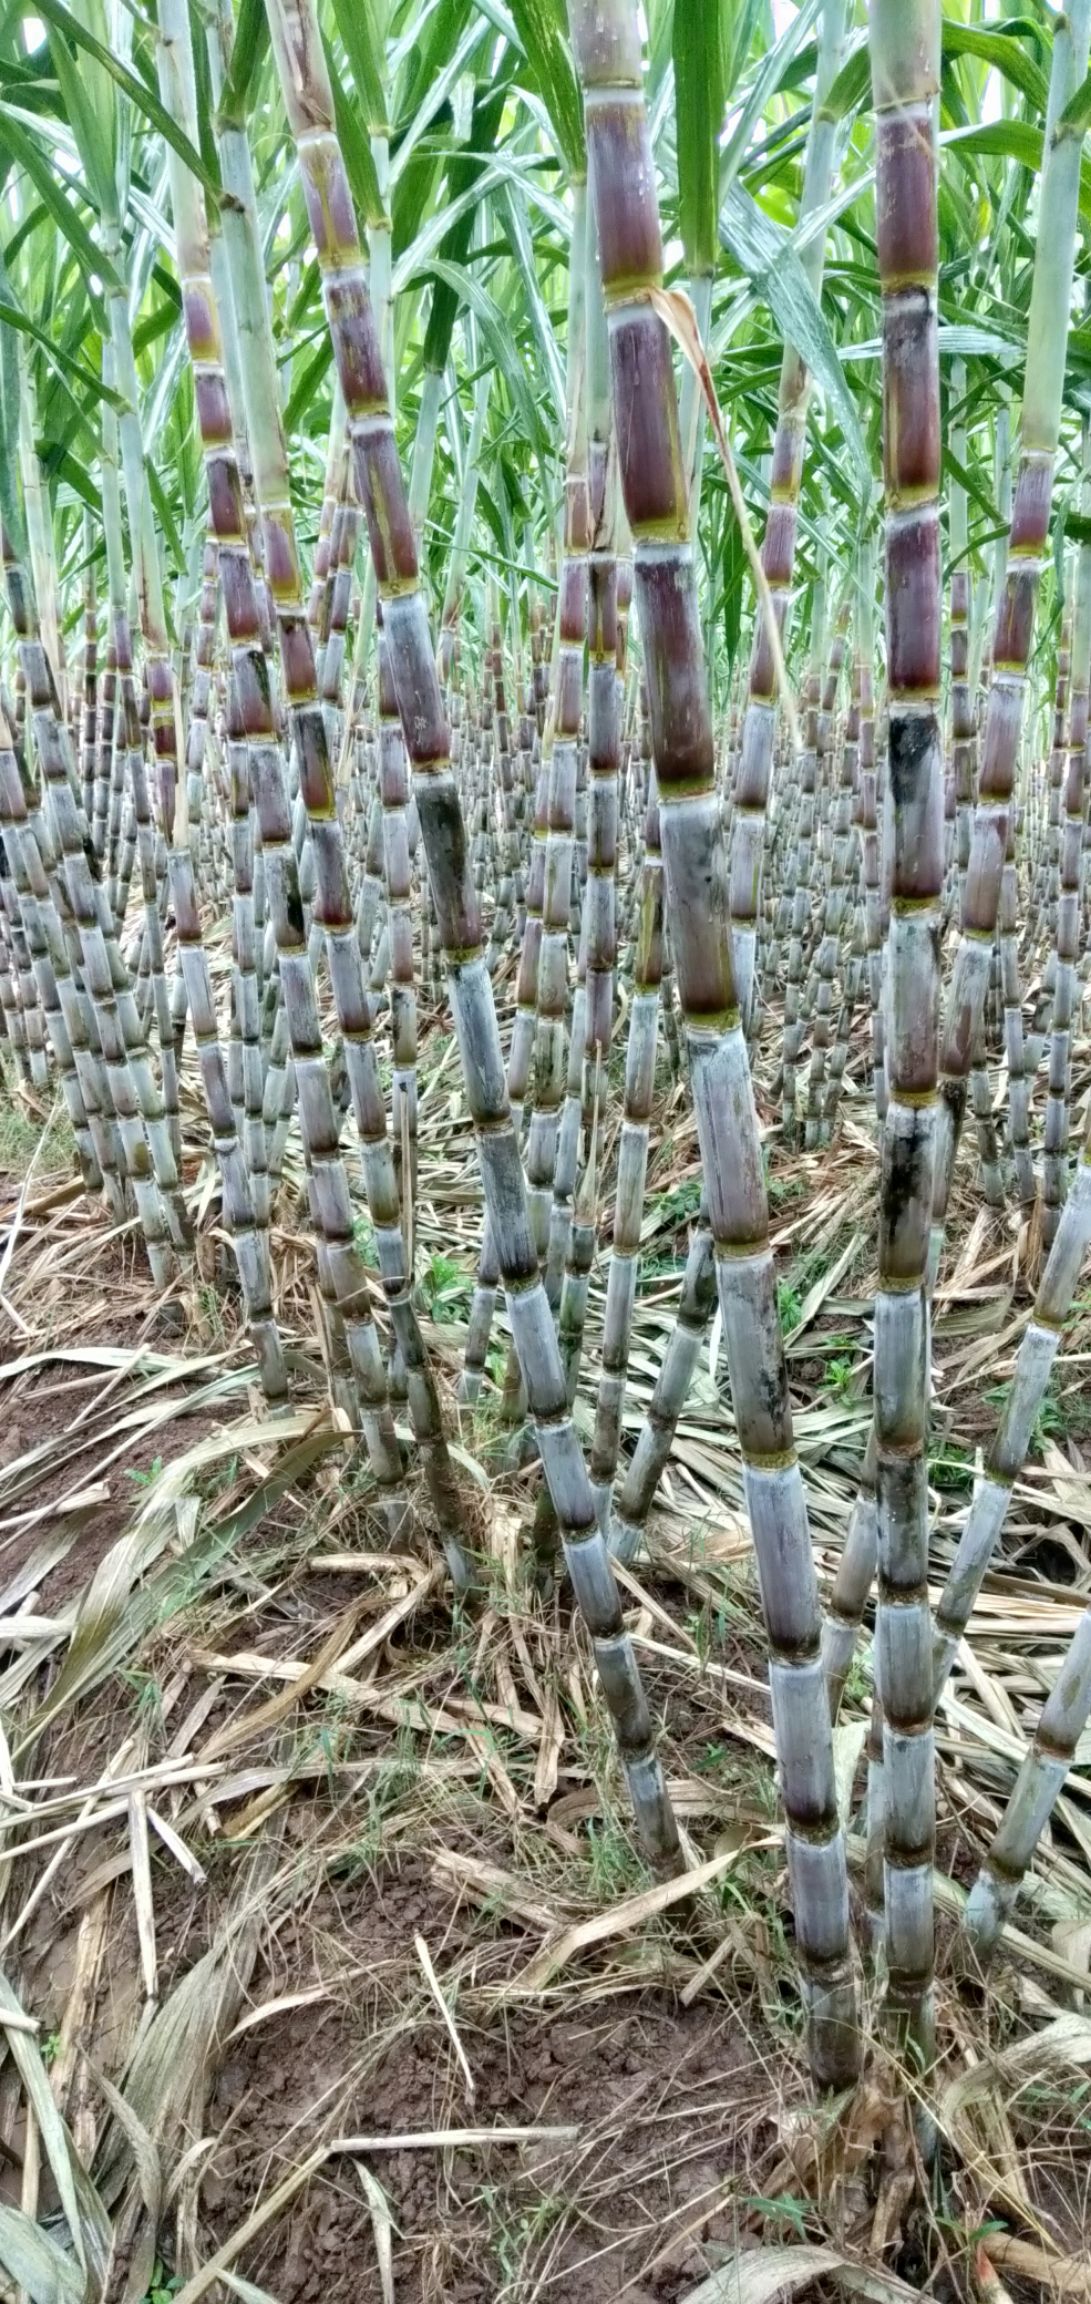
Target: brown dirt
{"points": [[669, 2103], [681, 2112]]}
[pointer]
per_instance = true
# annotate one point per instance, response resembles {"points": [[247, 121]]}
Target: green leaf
{"points": [[94, 134], [165, 515], [1009, 139], [137, 90], [79, 373], [305, 389], [734, 575], [1077, 112], [852, 86], [27, 154], [774, 69], [777, 275], [1004, 53], [543, 36], [248, 52], [429, 56], [697, 47], [463, 171], [500, 343], [10, 507], [355, 21], [356, 148]]}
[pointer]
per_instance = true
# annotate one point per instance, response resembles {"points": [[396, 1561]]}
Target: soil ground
{"points": [[318, 1868]]}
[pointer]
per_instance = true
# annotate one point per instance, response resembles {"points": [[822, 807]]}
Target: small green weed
{"points": [[858, 1680], [145, 1479], [789, 1306], [21, 1137], [787, 2215], [446, 1288], [681, 1202], [953, 1468], [614, 1867], [840, 1378], [162, 2289]]}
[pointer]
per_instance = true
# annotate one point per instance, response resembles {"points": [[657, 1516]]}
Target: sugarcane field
{"points": [[545, 1151]]}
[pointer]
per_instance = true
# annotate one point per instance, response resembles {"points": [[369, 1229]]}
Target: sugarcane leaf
{"points": [[762, 2275], [84, 2212], [355, 21], [305, 389], [1003, 52], [697, 48], [500, 344], [732, 569], [1009, 139], [1077, 112], [543, 37], [852, 87], [447, 52], [23, 150], [60, 361], [428, 53], [250, 47], [137, 89], [59, 463], [93, 135], [777, 274], [356, 148], [10, 508], [165, 513], [463, 171], [772, 71]]}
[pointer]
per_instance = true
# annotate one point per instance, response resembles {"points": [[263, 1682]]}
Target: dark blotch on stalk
{"points": [[314, 761], [444, 834], [1033, 497], [1015, 623], [918, 796], [906, 1200], [293, 904]]}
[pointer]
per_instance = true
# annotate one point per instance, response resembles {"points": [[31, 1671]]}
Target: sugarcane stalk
{"points": [[607, 46], [1047, 339], [1067, 920], [752, 781], [1037, 1789], [794, 1019], [243, 1178], [904, 40], [61, 1008], [632, 1164], [309, 104], [143, 1131], [833, 911]]}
